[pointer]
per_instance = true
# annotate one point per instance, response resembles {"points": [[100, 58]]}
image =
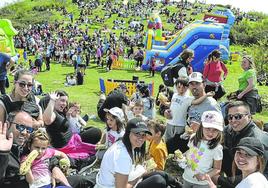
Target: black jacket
{"points": [[232, 138], [9, 169]]}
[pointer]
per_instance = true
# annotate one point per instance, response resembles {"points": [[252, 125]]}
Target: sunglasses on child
{"points": [[24, 84], [21, 128], [236, 116]]}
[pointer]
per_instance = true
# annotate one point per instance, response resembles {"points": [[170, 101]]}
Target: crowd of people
{"points": [[43, 139]]}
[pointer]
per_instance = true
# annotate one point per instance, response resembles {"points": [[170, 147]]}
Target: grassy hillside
{"points": [[38, 11]]}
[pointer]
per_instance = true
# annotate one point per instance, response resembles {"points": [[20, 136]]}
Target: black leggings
{"points": [[158, 179], [177, 143]]}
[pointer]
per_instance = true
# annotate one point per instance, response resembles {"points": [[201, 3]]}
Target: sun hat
{"points": [[116, 111], [195, 77], [251, 145], [212, 119], [137, 125]]}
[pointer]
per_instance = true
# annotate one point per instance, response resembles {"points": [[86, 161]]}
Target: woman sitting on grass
{"points": [[77, 146]]}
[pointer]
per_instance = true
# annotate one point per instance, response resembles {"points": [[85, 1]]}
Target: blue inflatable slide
{"points": [[201, 36]]}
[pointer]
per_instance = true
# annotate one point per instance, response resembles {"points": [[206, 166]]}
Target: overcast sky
{"points": [[245, 5]]}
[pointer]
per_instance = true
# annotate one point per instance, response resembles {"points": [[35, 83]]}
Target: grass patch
{"points": [[88, 94]]}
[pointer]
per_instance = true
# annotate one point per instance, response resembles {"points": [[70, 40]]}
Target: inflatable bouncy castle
{"points": [[7, 31], [202, 36]]}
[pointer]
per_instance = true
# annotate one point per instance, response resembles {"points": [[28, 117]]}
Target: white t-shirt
{"points": [[178, 107], [254, 180], [200, 160], [113, 136], [115, 160]]}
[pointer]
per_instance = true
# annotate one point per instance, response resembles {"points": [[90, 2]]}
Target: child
{"points": [[205, 154], [114, 129], [157, 146], [36, 165], [80, 76], [136, 95], [152, 67], [148, 102], [76, 122], [70, 80], [136, 110], [163, 98], [176, 114], [157, 154]]}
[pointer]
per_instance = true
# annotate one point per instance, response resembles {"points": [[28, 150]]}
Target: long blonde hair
{"points": [[259, 168]]}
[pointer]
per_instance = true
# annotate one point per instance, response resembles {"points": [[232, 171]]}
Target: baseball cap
{"points": [[251, 145], [195, 77], [137, 125], [212, 119], [116, 111]]}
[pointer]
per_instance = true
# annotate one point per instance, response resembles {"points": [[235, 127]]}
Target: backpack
{"points": [[170, 72]]}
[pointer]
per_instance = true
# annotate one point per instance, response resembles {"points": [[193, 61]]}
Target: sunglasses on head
{"points": [[24, 84], [236, 116], [21, 128]]}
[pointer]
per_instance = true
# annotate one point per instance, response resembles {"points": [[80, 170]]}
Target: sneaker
{"points": [[26, 165]]}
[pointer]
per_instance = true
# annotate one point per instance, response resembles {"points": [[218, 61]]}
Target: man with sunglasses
{"points": [[5, 63], [13, 135], [240, 126]]}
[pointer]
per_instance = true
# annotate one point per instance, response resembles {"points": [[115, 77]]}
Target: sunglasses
{"points": [[140, 135], [236, 116], [24, 84], [21, 128]]}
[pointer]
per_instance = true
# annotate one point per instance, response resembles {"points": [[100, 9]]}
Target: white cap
{"points": [[118, 112], [212, 119], [195, 77]]}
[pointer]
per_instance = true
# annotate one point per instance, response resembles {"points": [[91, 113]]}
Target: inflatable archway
{"points": [[7, 32]]}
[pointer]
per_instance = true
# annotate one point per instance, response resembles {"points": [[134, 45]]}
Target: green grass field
{"points": [[87, 95]]}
